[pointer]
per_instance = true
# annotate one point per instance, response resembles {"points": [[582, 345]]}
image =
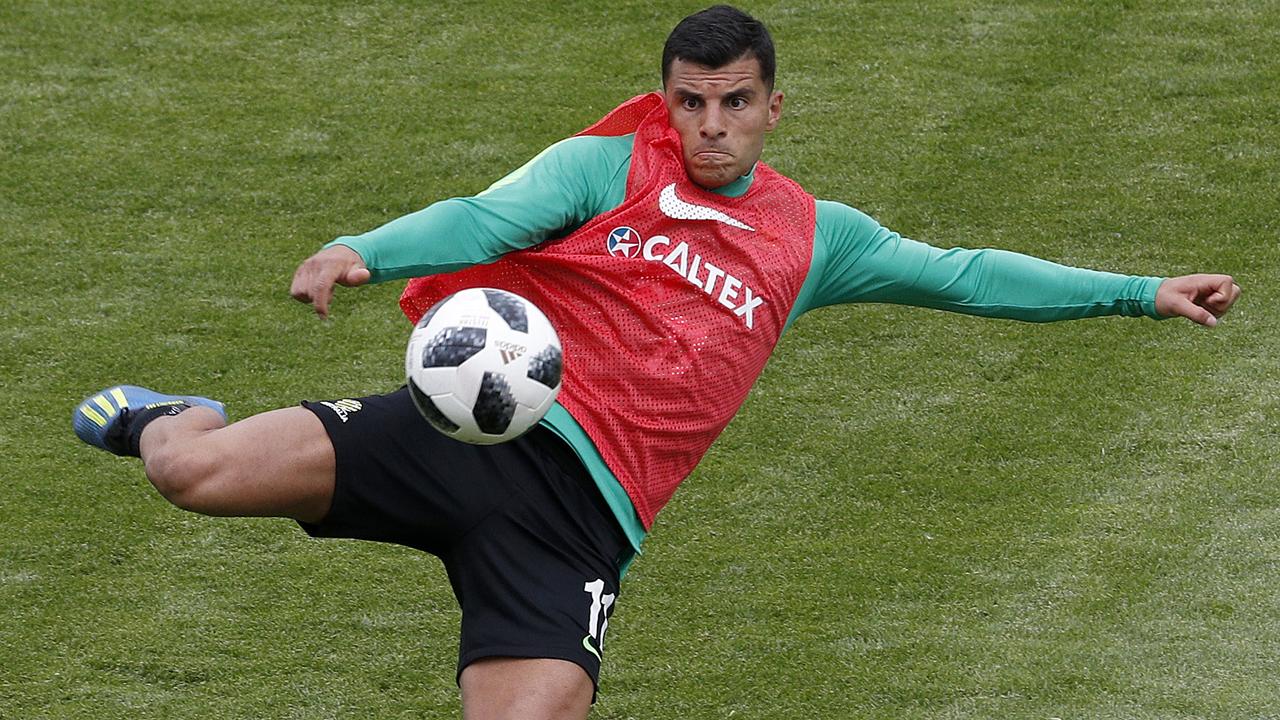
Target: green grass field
{"points": [[917, 515]]}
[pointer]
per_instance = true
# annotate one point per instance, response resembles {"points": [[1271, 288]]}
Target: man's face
{"points": [[722, 115]]}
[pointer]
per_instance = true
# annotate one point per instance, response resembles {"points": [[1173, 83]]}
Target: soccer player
{"points": [[671, 260]]}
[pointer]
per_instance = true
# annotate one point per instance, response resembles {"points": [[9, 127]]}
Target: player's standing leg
{"points": [[525, 689]]}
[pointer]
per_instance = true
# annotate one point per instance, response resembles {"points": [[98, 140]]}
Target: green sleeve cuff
{"points": [[366, 255], [1147, 297]]}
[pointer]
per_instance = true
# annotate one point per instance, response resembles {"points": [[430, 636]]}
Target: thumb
{"points": [[1193, 312], [358, 275]]}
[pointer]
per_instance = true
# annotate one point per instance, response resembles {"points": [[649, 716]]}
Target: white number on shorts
{"points": [[598, 622]]}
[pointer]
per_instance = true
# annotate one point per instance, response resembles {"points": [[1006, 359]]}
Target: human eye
{"points": [[689, 103], [737, 102]]}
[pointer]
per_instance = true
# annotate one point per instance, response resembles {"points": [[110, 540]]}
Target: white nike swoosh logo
{"points": [[673, 207], [586, 643]]}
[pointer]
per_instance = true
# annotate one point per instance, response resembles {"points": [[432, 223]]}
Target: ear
{"points": [[775, 110]]}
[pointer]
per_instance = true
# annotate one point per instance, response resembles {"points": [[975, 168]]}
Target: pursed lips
{"points": [[711, 154]]}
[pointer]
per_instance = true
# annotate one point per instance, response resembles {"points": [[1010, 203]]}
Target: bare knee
{"points": [[279, 463], [525, 689], [185, 473]]}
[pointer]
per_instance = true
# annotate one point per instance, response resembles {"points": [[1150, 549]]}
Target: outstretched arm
{"points": [[858, 260], [1200, 298]]}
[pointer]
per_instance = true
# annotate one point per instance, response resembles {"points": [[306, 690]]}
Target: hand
{"points": [[1199, 298], [314, 279]]}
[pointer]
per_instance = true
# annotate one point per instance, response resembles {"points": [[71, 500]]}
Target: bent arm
{"points": [[549, 196]]}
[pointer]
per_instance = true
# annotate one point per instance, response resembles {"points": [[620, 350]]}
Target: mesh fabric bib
{"points": [[667, 306]]}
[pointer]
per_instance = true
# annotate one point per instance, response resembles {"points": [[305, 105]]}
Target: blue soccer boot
{"points": [[114, 418]]}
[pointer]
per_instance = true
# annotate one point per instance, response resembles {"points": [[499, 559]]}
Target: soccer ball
{"points": [[483, 365]]}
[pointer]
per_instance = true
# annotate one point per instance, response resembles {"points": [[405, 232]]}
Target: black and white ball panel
{"points": [[484, 365], [428, 408], [546, 366], [453, 346], [510, 308], [495, 405]]}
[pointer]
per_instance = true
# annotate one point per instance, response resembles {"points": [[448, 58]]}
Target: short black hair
{"points": [[716, 37]]}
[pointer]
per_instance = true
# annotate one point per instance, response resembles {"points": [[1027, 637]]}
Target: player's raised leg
{"points": [[279, 463]]}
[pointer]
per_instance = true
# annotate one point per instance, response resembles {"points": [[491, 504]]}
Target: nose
{"points": [[712, 125]]}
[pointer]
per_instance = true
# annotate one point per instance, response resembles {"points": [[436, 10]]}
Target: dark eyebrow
{"points": [[746, 91]]}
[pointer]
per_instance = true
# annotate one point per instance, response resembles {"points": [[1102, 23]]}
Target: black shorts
{"points": [[531, 549]]}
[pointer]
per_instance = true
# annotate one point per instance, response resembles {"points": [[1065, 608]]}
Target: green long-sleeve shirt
{"points": [[855, 259]]}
